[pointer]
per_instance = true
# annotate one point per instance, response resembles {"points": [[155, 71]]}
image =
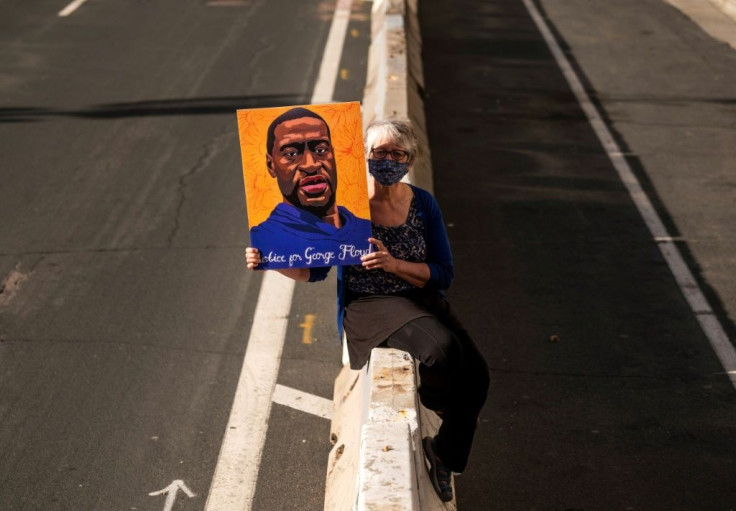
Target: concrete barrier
{"points": [[727, 6], [377, 461], [395, 81]]}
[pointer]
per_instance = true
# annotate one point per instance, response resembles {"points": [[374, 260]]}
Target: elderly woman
{"points": [[395, 299]]}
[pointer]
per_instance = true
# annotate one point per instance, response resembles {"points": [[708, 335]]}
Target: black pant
{"points": [[454, 379]]}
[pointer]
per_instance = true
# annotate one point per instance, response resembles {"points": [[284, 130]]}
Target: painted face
{"points": [[303, 163]]}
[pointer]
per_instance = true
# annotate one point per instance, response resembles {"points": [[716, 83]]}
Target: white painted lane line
{"points": [[66, 11], [324, 88], [236, 473], [302, 401], [710, 325], [234, 482]]}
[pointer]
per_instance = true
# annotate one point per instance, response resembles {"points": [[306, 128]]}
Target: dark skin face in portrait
{"points": [[303, 163]]}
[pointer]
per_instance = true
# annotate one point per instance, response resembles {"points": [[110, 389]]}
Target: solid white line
{"points": [[66, 11], [324, 88], [234, 482], [236, 473], [302, 401], [710, 325]]}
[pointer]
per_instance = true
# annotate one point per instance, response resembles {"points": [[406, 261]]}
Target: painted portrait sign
{"points": [[305, 184]]}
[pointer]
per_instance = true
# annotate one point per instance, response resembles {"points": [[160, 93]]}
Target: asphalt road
{"points": [[628, 407], [126, 309]]}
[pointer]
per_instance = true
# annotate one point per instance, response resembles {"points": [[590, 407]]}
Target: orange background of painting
{"points": [[261, 190]]}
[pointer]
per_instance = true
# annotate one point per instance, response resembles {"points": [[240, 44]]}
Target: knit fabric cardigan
{"points": [[439, 255]]}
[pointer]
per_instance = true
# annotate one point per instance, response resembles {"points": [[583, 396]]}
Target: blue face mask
{"points": [[387, 172]]}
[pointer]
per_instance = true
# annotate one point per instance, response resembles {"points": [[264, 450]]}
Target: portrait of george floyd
{"points": [[305, 184]]}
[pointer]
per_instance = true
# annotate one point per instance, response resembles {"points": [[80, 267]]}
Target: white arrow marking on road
{"points": [[171, 491]]}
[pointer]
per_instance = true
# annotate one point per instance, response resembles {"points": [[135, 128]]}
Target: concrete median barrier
{"points": [[727, 6], [377, 461], [395, 80]]}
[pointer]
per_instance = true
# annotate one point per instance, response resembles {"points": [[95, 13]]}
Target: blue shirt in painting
{"points": [[294, 238]]}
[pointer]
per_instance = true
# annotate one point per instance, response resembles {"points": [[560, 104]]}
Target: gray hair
{"points": [[398, 131]]}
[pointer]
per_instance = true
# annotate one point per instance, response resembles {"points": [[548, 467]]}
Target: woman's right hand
{"points": [[252, 258]]}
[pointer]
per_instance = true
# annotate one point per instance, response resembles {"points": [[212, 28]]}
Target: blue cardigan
{"points": [[439, 255]]}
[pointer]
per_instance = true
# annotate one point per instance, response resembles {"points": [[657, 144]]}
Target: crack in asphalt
{"points": [[209, 151]]}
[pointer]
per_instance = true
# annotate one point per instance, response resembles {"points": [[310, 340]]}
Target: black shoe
{"points": [[439, 474]]}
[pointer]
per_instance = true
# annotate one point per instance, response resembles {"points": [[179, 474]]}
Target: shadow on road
{"points": [[153, 108]]}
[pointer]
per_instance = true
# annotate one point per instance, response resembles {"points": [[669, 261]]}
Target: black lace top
{"points": [[404, 242]]}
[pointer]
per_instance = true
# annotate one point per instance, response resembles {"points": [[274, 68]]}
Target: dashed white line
{"points": [[66, 11], [710, 325]]}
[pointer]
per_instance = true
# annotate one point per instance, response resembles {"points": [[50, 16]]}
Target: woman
{"points": [[395, 299]]}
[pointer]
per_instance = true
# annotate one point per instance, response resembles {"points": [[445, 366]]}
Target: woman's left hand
{"points": [[381, 258]]}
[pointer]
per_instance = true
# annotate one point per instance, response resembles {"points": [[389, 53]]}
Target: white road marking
{"points": [[710, 325], [324, 88], [171, 491], [66, 11], [234, 482], [302, 401], [236, 473]]}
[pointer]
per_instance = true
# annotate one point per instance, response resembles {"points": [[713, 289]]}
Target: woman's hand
{"points": [[416, 274], [252, 258], [381, 258]]}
